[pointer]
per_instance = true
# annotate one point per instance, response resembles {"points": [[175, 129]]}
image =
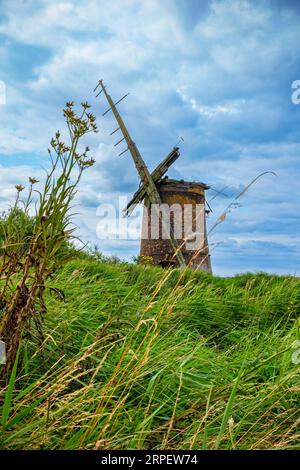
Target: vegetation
{"points": [[30, 245], [109, 355], [139, 357]]}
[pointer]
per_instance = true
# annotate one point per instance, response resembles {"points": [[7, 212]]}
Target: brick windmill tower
{"points": [[174, 221]]}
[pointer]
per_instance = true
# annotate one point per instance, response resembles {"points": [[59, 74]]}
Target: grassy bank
{"points": [[137, 357]]}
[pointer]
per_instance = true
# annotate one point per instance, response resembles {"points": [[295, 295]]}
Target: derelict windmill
{"points": [[156, 193]]}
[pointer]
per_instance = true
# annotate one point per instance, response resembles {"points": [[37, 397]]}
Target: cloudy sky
{"points": [[217, 73]]}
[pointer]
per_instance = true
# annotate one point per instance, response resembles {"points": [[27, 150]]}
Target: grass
{"points": [[140, 358]]}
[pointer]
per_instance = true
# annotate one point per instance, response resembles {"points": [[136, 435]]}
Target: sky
{"points": [[217, 73]]}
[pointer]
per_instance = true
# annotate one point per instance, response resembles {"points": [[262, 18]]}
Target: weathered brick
{"points": [[181, 193]]}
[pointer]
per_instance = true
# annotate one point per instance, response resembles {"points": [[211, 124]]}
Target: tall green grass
{"points": [[141, 358]]}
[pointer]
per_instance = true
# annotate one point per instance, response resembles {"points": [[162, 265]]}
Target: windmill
{"points": [[158, 192]]}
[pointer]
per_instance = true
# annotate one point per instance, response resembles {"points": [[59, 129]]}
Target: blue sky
{"points": [[217, 73]]}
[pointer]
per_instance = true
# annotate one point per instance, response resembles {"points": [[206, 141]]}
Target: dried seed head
{"points": [[32, 180], [85, 105]]}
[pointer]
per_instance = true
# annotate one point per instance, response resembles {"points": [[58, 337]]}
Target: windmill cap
{"points": [[183, 185]]}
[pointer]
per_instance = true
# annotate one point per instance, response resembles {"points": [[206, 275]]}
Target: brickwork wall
{"points": [[160, 250]]}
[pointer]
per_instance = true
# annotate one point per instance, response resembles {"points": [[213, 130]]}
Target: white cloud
{"points": [[232, 107], [11, 144]]}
